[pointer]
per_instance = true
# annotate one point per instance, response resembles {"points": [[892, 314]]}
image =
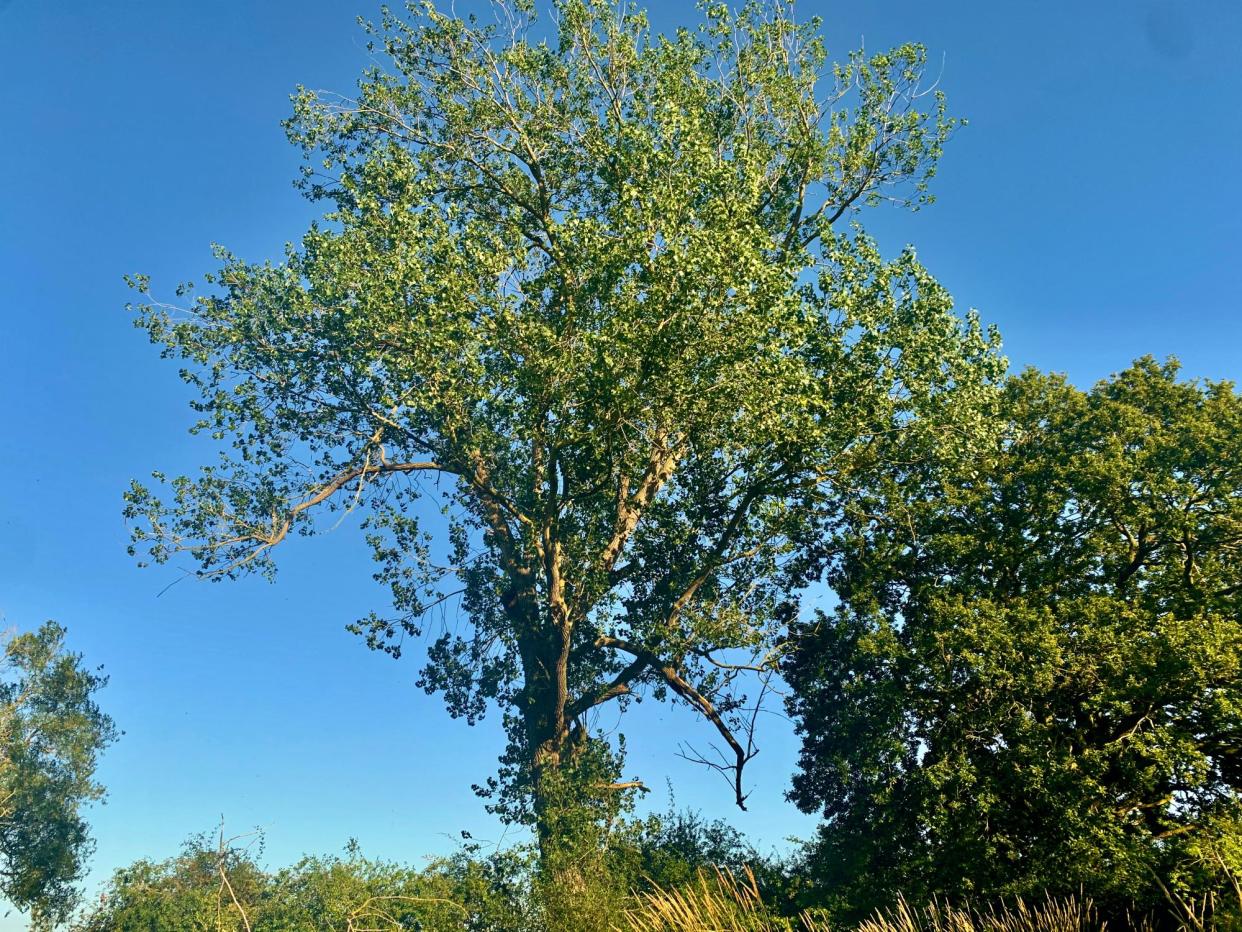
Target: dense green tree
{"points": [[582, 288], [51, 733], [1032, 680]]}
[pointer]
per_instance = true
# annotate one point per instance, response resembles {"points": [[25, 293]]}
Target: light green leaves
{"points": [[579, 285]]}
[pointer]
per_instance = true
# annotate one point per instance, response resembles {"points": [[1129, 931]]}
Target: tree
{"points": [[51, 733], [1031, 682], [586, 294]]}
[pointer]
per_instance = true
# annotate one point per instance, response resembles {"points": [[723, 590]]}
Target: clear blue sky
{"points": [[1092, 209]]}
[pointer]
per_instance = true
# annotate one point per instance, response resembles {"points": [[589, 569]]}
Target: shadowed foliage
{"points": [[1033, 682]]}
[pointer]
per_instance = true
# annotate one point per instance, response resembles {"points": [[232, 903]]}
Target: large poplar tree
{"points": [[583, 287]]}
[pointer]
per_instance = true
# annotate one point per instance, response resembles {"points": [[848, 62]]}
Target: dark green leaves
{"points": [[1032, 681]]}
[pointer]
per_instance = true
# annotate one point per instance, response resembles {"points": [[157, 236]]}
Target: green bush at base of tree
{"points": [[217, 884]]}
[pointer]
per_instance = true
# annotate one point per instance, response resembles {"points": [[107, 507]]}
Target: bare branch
{"points": [[696, 700]]}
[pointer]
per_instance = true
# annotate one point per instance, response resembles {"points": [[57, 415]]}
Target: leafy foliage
{"points": [[221, 885], [582, 289], [51, 733], [669, 849], [1031, 682]]}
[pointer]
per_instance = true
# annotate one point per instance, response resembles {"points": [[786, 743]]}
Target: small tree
{"points": [[51, 732], [221, 886], [1032, 682], [584, 293]]}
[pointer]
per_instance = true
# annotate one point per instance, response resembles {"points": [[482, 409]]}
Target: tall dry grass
{"points": [[1067, 915], [719, 903], [727, 903]]}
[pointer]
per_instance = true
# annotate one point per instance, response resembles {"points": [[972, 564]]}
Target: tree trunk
{"points": [[547, 733], [563, 820]]}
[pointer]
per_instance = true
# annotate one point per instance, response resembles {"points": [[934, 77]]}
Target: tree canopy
{"points": [[583, 288], [1031, 683], [51, 732]]}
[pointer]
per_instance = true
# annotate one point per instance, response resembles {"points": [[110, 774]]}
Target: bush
{"points": [[222, 887], [217, 885]]}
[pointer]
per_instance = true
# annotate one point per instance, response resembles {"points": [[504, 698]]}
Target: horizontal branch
{"points": [[280, 528], [342, 480], [619, 686], [626, 785]]}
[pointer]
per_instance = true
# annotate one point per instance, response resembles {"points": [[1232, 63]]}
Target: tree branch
{"points": [[619, 686], [696, 700], [660, 466]]}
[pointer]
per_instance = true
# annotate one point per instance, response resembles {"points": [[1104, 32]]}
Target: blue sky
{"points": [[1092, 210]]}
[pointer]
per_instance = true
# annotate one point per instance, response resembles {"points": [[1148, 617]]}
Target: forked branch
{"points": [[677, 682]]}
